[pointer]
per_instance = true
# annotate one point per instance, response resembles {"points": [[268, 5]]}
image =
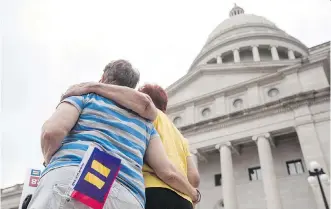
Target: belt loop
{"points": [[65, 195]]}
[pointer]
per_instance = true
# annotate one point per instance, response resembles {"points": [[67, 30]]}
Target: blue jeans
{"points": [[52, 190]]}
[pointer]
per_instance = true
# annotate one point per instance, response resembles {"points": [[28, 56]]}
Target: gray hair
{"points": [[121, 72]]}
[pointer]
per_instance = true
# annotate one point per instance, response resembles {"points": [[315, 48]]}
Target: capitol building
{"points": [[255, 107]]}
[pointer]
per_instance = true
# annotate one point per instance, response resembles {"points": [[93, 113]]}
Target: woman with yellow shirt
{"points": [[159, 195]]}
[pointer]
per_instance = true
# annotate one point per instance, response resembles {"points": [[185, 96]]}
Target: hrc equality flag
{"points": [[94, 178]]}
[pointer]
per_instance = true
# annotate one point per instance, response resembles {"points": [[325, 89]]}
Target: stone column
{"points": [[274, 53], [219, 59], [256, 54], [268, 172], [236, 55], [228, 183], [195, 160], [310, 145], [195, 157], [290, 54], [308, 137]]}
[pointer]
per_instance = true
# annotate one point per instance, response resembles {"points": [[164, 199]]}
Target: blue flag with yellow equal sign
{"points": [[94, 179]]}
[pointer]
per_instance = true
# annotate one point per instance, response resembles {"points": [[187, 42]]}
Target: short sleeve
{"points": [[186, 147], [76, 101], [154, 134]]}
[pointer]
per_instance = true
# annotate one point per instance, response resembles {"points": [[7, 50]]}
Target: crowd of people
{"points": [[157, 170]]}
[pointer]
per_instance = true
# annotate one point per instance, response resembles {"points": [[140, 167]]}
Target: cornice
{"points": [[258, 35], [183, 79], [322, 45], [11, 191], [247, 66], [304, 64], [283, 105], [324, 119], [264, 34]]}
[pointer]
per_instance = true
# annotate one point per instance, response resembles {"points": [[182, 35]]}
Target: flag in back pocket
{"points": [[94, 178]]}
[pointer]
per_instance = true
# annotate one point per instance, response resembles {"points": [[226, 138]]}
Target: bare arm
{"points": [[157, 159], [56, 128], [192, 172], [127, 97]]}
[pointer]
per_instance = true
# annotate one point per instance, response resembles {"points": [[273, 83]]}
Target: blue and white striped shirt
{"points": [[114, 129]]}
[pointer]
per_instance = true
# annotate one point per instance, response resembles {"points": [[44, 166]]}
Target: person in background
{"points": [[159, 194], [114, 127]]}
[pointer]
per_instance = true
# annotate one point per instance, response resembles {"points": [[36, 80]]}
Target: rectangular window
{"points": [[255, 173], [218, 179], [294, 167]]}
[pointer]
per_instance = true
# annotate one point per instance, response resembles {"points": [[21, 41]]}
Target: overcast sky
{"points": [[50, 44]]}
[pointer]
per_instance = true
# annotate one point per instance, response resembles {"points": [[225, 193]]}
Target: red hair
{"points": [[157, 94]]}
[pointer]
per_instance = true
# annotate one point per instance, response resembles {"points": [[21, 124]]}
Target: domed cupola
{"points": [[236, 11]]}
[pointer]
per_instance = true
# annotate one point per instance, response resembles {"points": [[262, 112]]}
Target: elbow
{"points": [[48, 132], [50, 135], [195, 182], [45, 140], [169, 177], [167, 173], [51, 140], [150, 110]]}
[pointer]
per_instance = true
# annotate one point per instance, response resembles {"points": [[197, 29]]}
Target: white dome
{"points": [[233, 40], [240, 21]]}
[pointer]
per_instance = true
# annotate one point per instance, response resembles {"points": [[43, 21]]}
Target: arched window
{"points": [[177, 120], [212, 61], [273, 92], [206, 112], [238, 103]]}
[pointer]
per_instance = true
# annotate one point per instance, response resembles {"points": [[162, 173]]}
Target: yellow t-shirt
{"points": [[176, 147]]}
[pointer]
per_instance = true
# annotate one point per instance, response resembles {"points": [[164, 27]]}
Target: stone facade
{"points": [[255, 107], [10, 197], [250, 194]]}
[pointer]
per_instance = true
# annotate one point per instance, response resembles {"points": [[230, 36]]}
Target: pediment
{"points": [[205, 81]]}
